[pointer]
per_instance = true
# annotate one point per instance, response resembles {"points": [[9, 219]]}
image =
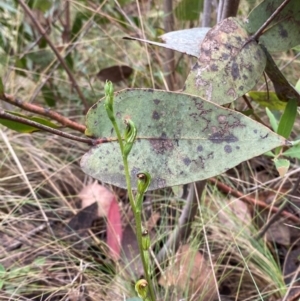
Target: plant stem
{"points": [[136, 211], [44, 112]]}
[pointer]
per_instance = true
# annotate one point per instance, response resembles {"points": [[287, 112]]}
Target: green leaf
{"points": [[297, 87], [225, 70], [293, 152], [282, 166], [1, 88], [2, 273], [273, 120], [24, 128], [186, 41], [267, 100], [189, 10], [287, 119], [283, 33], [282, 87], [42, 5], [77, 25], [181, 138], [49, 96]]}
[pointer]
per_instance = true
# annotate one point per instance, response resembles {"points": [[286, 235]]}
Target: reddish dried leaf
{"points": [[114, 229]]}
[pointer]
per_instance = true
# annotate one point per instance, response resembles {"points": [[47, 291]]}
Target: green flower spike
{"points": [[145, 240], [141, 287], [144, 180], [109, 100], [130, 135]]}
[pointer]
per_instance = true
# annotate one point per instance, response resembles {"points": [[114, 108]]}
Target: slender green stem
{"points": [[125, 147], [138, 221]]}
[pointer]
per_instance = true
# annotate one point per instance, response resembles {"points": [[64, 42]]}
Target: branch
{"points": [[42, 127], [252, 201], [265, 25], [44, 112], [56, 52]]}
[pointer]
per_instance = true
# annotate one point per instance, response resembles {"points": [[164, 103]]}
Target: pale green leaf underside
{"points": [[181, 138], [227, 67]]}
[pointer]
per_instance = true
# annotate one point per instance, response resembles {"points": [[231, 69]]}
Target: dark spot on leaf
{"points": [[238, 38], [237, 147], [214, 67], [207, 52], [245, 77], [95, 106], [227, 148], [199, 148], [156, 101], [150, 90], [235, 72], [121, 167], [134, 171], [283, 33], [220, 138], [241, 88], [255, 131], [264, 137], [161, 183], [162, 145], [155, 115], [225, 56], [187, 161]]}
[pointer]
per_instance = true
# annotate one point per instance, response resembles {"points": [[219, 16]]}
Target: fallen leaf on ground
{"points": [[279, 233], [107, 207], [235, 215], [189, 273]]}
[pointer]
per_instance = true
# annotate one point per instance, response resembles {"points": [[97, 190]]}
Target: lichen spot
{"points": [[156, 101]]}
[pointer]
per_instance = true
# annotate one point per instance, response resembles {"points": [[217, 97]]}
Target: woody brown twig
{"points": [[8, 116], [44, 112], [223, 187]]}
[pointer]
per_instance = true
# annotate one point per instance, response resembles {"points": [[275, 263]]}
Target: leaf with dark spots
{"points": [[283, 33], [172, 151], [115, 74], [226, 69]]}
